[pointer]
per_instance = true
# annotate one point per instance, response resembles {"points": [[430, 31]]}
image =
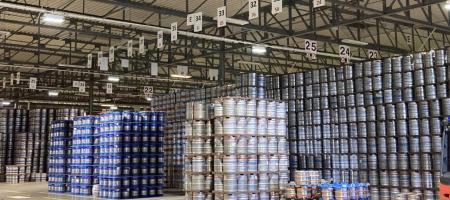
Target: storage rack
{"points": [[131, 163], [82, 166], [60, 156], [375, 121], [243, 158]]}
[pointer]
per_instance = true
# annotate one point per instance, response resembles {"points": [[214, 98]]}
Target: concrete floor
{"points": [[38, 191]]}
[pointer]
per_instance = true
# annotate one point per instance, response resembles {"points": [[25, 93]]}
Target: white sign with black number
{"points": [[174, 31], [148, 91], [198, 22], [253, 9], [111, 54], [344, 53], [154, 69], [82, 86], [311, 46], [318, 3], [311, 49], [372, 54], [160, 41], [18, 78], [277, 6], [221, 16], [141, 45], [99, 58], [33, 83], [130, 48], [11, 80], [408, 39], [4, 82], [76, 84], [89, 61], [190, 19], [109, 88]]}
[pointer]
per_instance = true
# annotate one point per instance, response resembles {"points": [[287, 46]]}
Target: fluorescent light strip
{"points": [[53, 19], [260, 50], [113, 78], [53, 93], [180, 76], [235, 21], [355, 42]]}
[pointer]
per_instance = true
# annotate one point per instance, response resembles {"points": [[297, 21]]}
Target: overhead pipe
{"points": [[157, 28]]}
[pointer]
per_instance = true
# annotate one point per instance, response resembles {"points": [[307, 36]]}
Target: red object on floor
{"points": [[444, 187]]}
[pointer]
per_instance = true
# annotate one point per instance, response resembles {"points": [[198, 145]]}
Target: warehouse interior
{"points": [[224, 99]]}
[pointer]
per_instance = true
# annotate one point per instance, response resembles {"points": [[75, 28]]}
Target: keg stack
{"points": [[251, 85], [12, 121], [198, 161], [174, 104], [23, 158], [375, 121], [39, 124], [131, 163], [60, 156], [250, 152], [82, 166]]}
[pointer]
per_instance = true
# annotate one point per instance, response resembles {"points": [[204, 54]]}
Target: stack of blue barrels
{"points": [[82, 166], [131, 155], [59, 156]]}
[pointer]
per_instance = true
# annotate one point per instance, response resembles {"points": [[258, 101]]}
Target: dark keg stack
{"points": [[375, 121]]}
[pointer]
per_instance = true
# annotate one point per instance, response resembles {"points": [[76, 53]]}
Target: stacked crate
{"points": [[131, 154], [377, 121], [82, 166], [60, 156]]}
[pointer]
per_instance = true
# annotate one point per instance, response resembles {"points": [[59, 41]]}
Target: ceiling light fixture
{"points": [[235, 21], [355, 42], [258, 49], [113, 78], [71, 66], [113, 108], [6, 103], [447, 5], [180, 76], [149, 98], [52, 18], [107, 105], [53, 93]]}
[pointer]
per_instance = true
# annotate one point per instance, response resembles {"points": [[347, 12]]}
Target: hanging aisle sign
{"points": [[76, 84], [253, 9], [221, 16], [154, 69], [18, 78], [4, 82], [318, 3], [182, 70], [111, 54], [160, 40], [190, 19], [33, 83], [82, 86], [148, 91], [198, 22], [130, 48], [372, 54], [104, 64], [141, 45], [89, 61], [344, 53], [277, 6], [11, 81], [174, 32], [213, 74], [99, 58], [109, 88], [311, 49]]}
